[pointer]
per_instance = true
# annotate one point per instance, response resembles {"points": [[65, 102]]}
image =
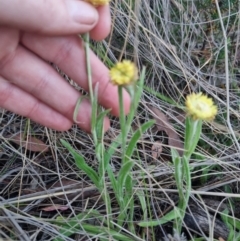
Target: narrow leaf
{"points": [[192, 135], [172, 215], [135, 138], [81, 164], [99, 125]]}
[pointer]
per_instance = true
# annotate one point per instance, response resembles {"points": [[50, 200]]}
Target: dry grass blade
{"points": [[55, 207]]}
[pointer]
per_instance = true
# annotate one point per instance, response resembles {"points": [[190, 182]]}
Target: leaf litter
{"points": [[31, 143], [163, 124]]}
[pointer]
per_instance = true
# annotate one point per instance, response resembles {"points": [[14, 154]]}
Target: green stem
{"points": [[122, 120], [86, 38], [179, 182], [88, 63], [131, 113], [99, 146], [182, 168], [184, 197]]}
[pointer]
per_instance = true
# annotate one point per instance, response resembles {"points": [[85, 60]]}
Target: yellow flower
{"points": [[97, 3], [123, 73], [199, 106]]}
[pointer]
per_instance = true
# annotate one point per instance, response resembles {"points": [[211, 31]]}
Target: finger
{"points": [[103, 27], [53, 17], [69, 55], [16, 100], [39, 79], [9, 40]]}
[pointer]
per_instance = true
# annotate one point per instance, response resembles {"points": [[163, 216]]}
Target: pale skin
{"points": [[33, 33]]}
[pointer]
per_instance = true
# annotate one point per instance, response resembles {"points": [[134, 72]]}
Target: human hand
{"points": [[33, 33]]}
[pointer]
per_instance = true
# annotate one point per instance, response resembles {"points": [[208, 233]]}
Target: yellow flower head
{"points": [[97, 3], [123, 73], [199, 106]]}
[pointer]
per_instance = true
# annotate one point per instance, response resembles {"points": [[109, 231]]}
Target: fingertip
{"points": [[83, 14], [63, 126], [127, 102], [106, 124], [103, 27], [60, 17]]}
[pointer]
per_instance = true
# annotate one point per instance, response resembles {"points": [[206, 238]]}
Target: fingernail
{"points": [[82, 12]]}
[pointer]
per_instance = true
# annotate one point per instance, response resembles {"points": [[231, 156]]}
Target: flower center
{"points": [[200, 106]]}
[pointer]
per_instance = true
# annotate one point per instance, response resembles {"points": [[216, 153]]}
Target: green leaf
{"points": [[135, 97], [172, 215], [99, 125], [128, 189], [187, 177], [81, 164], [231, 220], [122, 175], [103, 232], [130, 203], [70, 226], [114, 183], [174, 154], [135, 138], [226, 218], [112, 149], [140, 86], [76, 109], [178, 173], [141, 196], [192, 135]]}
